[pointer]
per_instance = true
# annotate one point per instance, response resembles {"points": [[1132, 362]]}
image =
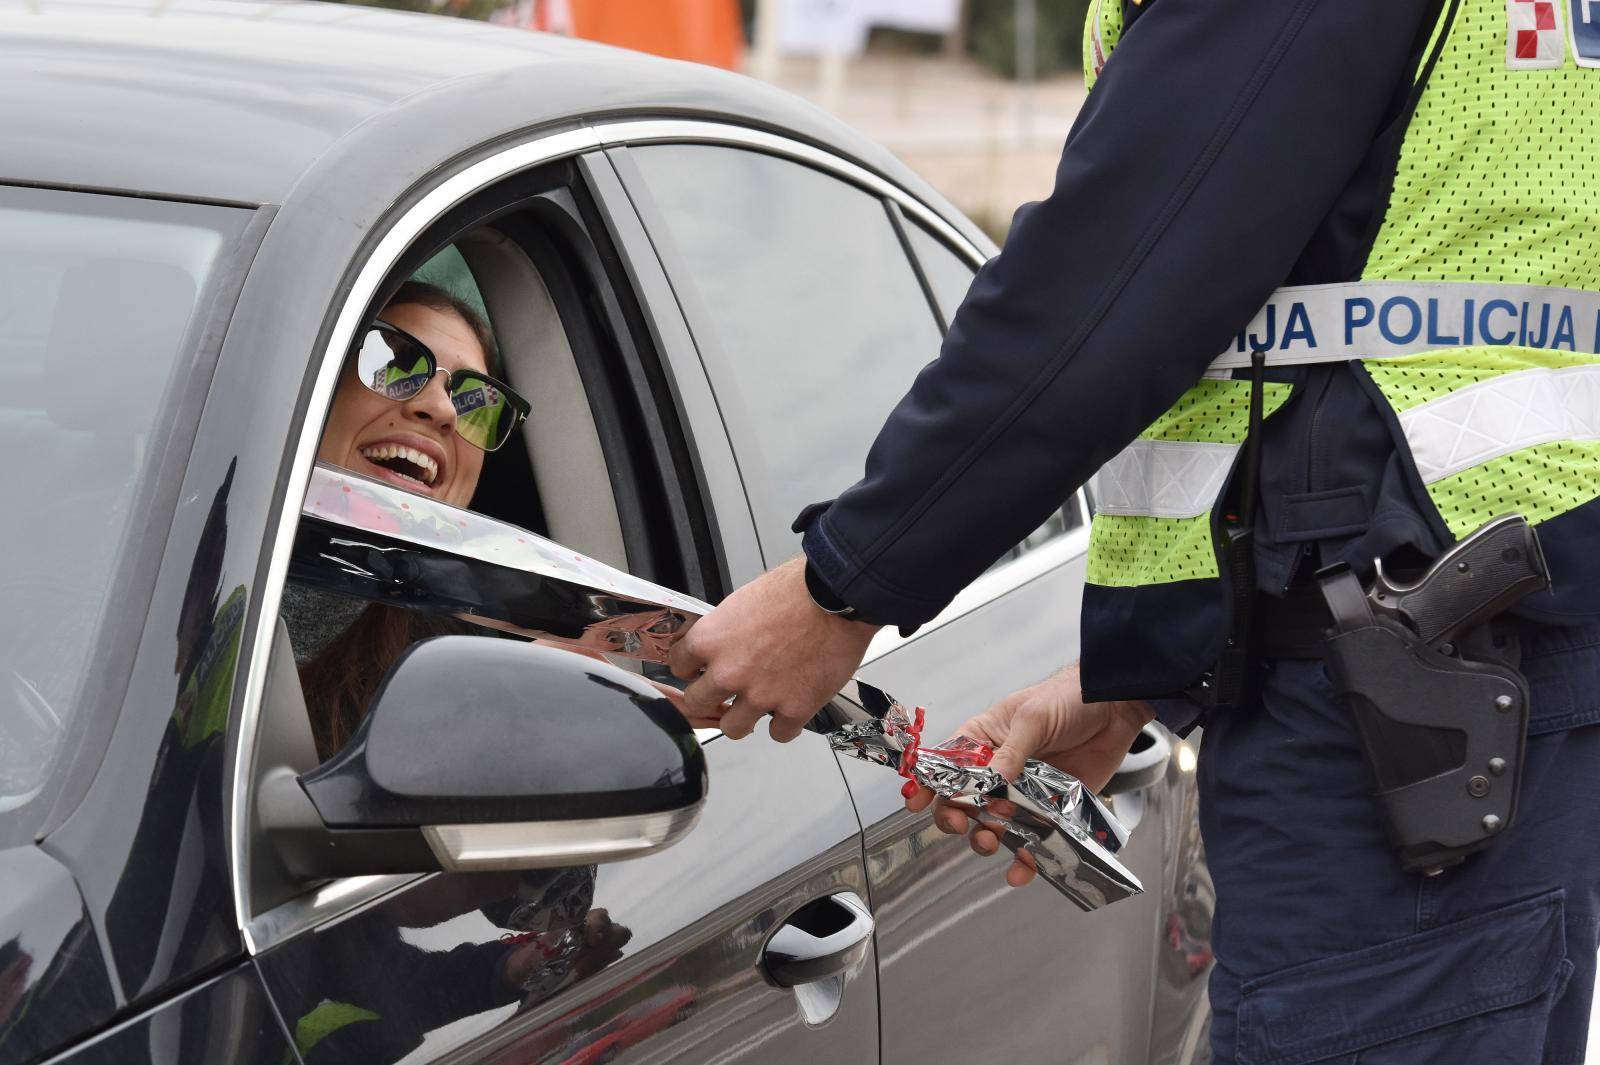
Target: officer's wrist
{"points": [[825, 599]]}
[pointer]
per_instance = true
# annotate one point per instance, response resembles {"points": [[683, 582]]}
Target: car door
{"points": [[663, 958], [815, 292], [1007, 630]]}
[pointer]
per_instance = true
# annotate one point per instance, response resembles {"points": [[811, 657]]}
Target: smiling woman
{"points": [[389, 421], [415, 408]]}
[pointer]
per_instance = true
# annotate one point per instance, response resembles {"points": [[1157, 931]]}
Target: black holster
{"points": [[1443, 734]]}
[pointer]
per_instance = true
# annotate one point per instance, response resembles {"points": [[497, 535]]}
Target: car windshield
{"points": [[96, 297]]}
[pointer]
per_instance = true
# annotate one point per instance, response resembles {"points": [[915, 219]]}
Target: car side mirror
{"points": [[484, 753]]}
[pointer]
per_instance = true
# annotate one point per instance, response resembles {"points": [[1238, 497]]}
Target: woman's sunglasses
{"points": [[397, 366]]}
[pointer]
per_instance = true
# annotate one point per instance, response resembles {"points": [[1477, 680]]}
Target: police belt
{"points": [[1303, 324], [1308, 324], [1435, 722]]}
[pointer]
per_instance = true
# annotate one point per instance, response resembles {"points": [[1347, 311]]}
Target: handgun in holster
{"points": [[1440, 705]]}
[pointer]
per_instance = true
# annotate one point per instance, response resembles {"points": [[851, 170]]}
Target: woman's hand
{"points": [[1050, 722]]}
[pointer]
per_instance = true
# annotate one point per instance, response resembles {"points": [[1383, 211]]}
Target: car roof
{"points": [[241, 102]]}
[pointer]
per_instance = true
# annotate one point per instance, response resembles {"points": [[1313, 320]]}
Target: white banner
{"points": [[812, 26], [924, 16], [840, 26]]}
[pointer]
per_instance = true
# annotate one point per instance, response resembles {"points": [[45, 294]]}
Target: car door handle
{"points": [[1145, 764], [825, 937]]}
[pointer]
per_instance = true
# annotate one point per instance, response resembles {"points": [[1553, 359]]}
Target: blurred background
{"points": [[975, 95]]}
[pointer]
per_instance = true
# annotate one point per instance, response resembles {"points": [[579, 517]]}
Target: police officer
{"points": [[1375, 221]]}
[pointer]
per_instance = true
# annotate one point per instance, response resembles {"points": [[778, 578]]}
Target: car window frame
{"points": [[399, 236], [451, 207], [902, 229]]}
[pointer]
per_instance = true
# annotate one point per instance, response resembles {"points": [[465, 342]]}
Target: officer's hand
{"points": [[1050, 722], [773, 648], [674, 696]]}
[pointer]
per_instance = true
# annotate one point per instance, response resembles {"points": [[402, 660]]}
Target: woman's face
{"points": [[395, 442]]}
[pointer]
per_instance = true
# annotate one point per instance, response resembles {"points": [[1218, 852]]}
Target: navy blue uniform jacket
{"points": [[1228, 148]]}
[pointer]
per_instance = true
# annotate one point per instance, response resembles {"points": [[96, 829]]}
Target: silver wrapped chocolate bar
{"points": [[1063, 827]]}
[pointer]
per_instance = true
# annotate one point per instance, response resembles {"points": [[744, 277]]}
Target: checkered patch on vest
{"points": [[1583, 20], [1534, 40]]}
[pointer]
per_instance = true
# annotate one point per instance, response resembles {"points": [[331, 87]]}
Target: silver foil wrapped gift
{"points": [[1069, 833]]}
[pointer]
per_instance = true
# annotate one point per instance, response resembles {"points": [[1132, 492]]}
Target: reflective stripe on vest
{"points": [[1448, 435], [1387, 321], [1163, 479], [1484, 421]]}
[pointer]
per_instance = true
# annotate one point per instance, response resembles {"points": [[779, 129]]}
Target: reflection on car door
{"points": [[943, 909], [660, 957]]}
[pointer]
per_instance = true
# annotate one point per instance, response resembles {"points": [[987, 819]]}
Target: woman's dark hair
{"points": [[340, 682], [427, 294]]}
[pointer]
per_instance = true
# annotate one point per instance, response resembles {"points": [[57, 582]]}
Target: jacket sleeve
{"points": [[1214, 142]]}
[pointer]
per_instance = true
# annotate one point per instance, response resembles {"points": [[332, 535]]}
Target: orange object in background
{"points": [[705, 31]]}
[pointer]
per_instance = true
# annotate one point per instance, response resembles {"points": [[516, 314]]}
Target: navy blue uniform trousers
{"points": [[1328, 952]]}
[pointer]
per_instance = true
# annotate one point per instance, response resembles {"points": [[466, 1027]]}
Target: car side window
{"points": [[811, 319], [948, 274], [523, 276], [97, 296]]}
